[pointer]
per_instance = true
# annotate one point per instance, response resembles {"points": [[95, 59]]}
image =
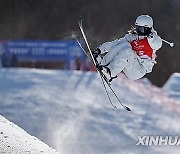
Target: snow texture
{"points": [[14, 140], [172, 86], [70, 112]]}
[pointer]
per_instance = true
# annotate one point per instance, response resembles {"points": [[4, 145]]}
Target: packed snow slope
{"points": [[172, 86], [15, 140], [69, 111]]}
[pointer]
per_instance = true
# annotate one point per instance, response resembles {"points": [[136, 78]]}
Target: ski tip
{"points": [[77, 37], [126, 108], [80, 20]]}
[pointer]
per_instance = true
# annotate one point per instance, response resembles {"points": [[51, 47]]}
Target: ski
{"points": [[99, 74], [102, 76]]}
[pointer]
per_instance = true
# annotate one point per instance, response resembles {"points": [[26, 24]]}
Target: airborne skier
{"points": [[134, 54]]}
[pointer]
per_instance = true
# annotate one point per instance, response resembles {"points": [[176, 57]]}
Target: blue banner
{"points": [[41, 50]]}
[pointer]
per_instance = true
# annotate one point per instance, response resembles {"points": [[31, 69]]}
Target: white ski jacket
{"points": [[134, 55]]}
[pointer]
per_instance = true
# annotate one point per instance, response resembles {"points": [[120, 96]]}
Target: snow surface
{"points": [[69, 111], [15, 140], [172, 86]]}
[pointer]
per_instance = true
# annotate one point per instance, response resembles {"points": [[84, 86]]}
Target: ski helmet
{"points": [[144, 24]]}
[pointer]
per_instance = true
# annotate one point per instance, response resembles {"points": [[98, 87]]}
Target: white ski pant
{"points": [[122, 58]]}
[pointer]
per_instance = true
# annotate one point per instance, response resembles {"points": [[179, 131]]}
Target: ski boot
{"points": [[107, 73]]}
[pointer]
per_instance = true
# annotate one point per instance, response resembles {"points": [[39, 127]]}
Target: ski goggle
{"points": [[144, 31]]}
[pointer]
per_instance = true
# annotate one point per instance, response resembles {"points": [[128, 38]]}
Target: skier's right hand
{"points": [[96, 52]]}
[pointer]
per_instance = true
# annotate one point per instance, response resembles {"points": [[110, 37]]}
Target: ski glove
{"points": [[96, 52]]}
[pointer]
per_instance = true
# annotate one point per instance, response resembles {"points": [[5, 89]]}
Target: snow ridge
{"points": [[15, 140]]}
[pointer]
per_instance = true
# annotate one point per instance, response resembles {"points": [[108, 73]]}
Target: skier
{"points": [[134, 54]]}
